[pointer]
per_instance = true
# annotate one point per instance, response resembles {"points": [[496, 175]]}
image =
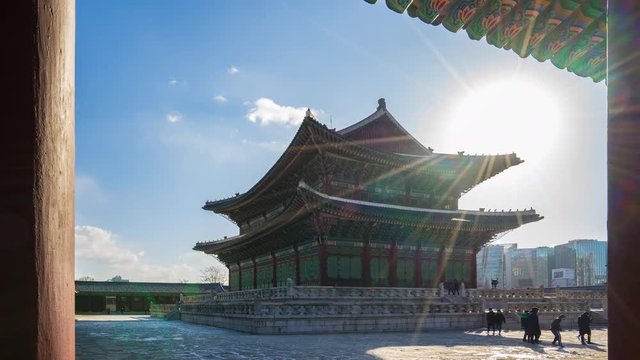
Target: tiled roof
{"points": [[108, 287]]}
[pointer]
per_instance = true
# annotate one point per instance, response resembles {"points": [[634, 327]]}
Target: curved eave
{"points": [[571, 34], [308, 200], [460, 220]]}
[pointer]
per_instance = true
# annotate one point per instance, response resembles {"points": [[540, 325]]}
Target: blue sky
{"points": [[182, 102]]}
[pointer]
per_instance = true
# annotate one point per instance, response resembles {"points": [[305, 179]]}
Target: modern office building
{"points": [[579, 262], [492, 262], [591, 261]]}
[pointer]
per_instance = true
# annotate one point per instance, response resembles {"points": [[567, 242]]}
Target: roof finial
{"points": [[382, 104], [308, 114]]}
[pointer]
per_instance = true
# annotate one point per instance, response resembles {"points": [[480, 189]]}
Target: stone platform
{"points": [[311, 309], [316, 309]]}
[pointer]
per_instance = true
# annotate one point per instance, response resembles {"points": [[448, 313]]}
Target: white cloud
{"points": [[232, 70], [100, 246], [220, 99], [88, 189], [173, 82], [100, 254], [174, 117], [266, 111]]}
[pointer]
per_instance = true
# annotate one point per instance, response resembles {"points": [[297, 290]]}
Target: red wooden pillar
{"points": [[366, 265], [623, 169], [274, 277], [297, 262], [442, 263], [255, 272], [37, 180], [322, 254], [393, 265], [417, 268], [474, 271]]}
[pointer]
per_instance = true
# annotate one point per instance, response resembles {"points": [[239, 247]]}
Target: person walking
{"points": [[555, 329], [534, 326], [523, 324], [491, 321], [584, 327], [499, 320]]}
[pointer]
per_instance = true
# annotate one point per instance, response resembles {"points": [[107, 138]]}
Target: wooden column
{"points": [[474, 270], [366, 265], [442, 263], [623, 178], [393, 265], [37, 180]]}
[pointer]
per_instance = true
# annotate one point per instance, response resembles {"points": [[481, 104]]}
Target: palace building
{"points": [[367, 205]]}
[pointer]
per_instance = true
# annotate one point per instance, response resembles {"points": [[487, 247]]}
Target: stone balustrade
{"points": [[321, 309], [325, 292], [581, 294], [198, 298], [506, 294], [549, 307]]}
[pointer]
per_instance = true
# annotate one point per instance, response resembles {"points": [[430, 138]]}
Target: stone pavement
{"points": [[142, 337]]}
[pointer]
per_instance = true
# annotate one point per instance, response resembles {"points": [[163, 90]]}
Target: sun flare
{"points": [[506, 116]]}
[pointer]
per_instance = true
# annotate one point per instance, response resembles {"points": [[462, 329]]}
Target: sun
{"points": [[504, 116]]}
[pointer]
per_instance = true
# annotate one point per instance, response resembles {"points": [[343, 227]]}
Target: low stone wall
{"points": [[301, 324]]}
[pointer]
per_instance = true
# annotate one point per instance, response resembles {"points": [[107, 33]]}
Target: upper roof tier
{"points": [[378, 139], [381, 131]]}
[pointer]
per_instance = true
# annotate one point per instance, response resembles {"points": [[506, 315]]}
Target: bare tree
{"points": [[213, 274], [86, 278]]}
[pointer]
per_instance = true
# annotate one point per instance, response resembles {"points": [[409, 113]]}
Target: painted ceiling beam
{"points": [[571, 34]]}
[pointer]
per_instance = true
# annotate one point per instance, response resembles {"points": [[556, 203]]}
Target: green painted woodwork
{"points": [[264, 277], [429, 270], [285, 269], [247, 277], [379, 271], [309, 268], [455, 270], [404, 272], [234, 279], [344, 267]]}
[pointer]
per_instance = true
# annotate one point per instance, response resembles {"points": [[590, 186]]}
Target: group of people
{"points": [[495, 321], [530, 323], [452, 287]]}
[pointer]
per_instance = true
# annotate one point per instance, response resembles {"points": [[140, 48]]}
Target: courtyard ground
{"points": [[142, 337]]}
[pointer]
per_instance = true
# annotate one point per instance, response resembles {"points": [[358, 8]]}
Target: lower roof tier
{"points": [[311, 203]]}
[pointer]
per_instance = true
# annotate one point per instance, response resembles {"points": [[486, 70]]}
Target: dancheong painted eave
{"points": [[309, 200], [378, 139], [570, 33]]}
